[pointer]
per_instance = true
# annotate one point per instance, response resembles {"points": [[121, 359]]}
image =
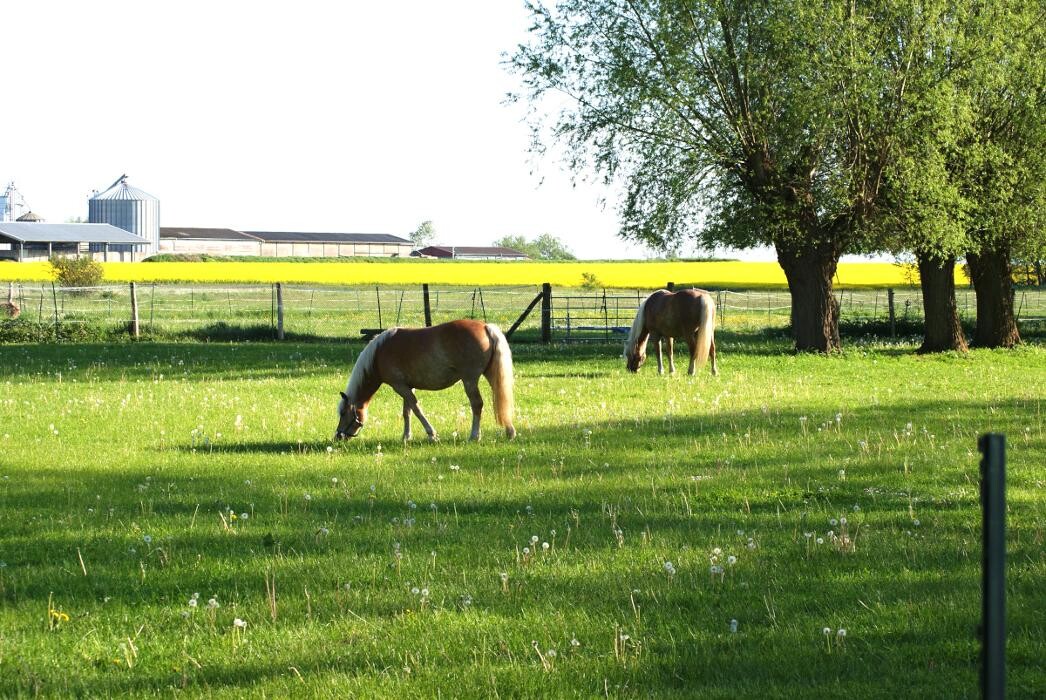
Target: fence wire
{"points": [[353, 312]]}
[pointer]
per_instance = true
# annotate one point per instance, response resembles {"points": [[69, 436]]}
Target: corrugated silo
{"points": [[12, 204], [128, 208]]}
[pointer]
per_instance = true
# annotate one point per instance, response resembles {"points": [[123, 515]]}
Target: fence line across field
{"points": [[569, 314]]}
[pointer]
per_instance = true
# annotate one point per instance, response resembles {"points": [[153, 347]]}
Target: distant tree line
{"points": [[820, 129], [544, 247]]}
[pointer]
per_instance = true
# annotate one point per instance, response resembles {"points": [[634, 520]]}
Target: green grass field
{"points": [[140, 481]]}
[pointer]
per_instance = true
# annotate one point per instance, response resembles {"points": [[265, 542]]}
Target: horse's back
{"points": [[676, 314], [435, 357]]}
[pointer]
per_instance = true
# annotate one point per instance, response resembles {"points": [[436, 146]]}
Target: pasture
{"points": [[175, 519]]}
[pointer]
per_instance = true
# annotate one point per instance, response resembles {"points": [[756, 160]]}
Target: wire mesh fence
{"points": [[223, 311]]}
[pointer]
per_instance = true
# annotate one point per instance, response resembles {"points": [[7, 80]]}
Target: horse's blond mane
{"points": [[637, 326], [364, 366]]}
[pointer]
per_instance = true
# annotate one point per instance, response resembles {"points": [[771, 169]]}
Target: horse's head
{"points": [[350, 418], [635, 356]]}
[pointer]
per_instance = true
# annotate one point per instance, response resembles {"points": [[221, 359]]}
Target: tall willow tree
{"points": [[736, 122], [1002, 165]]}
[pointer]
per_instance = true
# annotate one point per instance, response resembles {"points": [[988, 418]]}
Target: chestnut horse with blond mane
{"points": [[431, 359], [688, 314]]}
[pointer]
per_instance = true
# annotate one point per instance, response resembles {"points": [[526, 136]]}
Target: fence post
{"points": [[279, 311], [546, 313], [671, 286], [893, 314], [993, 565], [54, 297], [428, 307], [134, 311]]}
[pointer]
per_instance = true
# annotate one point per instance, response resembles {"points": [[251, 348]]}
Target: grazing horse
{"points": [[688, 314], [430, 358]]}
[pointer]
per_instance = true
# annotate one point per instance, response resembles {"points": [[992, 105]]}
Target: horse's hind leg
{"points": [[711, 355], [656, 340], [671, 355], [691, 343], [476, 400]]}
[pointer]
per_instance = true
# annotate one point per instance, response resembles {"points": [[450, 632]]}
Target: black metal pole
{"points": [[428, 307], [546, 313], [993, 566]]}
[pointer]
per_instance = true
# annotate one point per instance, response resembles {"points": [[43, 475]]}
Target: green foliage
{"points": [[133, 460], [544, 247], [423, 234], [77, 272], [589, 281]]}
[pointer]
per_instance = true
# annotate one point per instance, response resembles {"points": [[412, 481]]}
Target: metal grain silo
{"points": [[128, 208]]}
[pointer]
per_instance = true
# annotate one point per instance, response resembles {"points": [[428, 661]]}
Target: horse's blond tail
{"points": [[499, 374], [706, 334]]}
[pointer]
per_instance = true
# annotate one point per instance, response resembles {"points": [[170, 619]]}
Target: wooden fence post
{"points": [[526, 312], [671, 286], [279, 311], [134, 311], [54, 297], [893, 317], [993, 565], [428, 307], [546, 313]]}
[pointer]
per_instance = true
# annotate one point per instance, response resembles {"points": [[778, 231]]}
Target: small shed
{"points": [[31, 242]]}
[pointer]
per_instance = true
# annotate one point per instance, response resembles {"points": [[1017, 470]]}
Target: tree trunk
{"points": [[992, 279], [815, 311], [941, 329]]}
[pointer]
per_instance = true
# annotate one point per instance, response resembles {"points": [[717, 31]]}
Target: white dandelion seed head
{"points": [[841, 632], [827, 631], [731, 560], [820, 540]]}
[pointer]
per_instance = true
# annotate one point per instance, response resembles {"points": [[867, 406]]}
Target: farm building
{"points": [[31, 241], [281, 244], [208, 241], [462, 252]]}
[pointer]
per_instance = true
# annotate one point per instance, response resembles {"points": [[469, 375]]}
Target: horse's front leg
{"points": [[476, 400], [656, 339], [410, 403], [671, 355], [406, 420]]}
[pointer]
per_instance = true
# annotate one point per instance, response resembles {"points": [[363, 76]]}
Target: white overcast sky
{"points": [[305, 115]]}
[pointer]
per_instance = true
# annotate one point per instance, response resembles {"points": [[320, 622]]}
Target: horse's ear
{"points": [[344, 396]]}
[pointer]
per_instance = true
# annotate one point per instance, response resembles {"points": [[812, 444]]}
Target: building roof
{"points": [[121, 190], [213, 234], [446, 251], [30, 216], [308, 237], [22, 232]]}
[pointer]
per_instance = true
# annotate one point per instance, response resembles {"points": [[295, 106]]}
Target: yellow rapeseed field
{"points": [[619, 274]]}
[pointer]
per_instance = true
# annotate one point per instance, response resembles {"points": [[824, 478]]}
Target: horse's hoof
{"points": [[433, 437]]}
